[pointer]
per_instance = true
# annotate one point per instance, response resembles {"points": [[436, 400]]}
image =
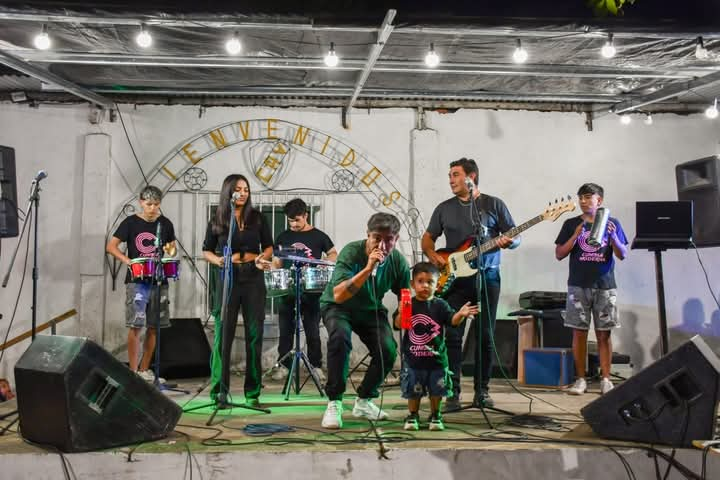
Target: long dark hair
{"points": [[221, 221]]}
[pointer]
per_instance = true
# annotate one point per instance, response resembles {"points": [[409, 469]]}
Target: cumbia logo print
{"points": [[302, 246], [145, 243], [424, 329]]}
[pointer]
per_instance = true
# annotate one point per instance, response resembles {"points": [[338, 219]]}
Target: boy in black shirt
{"points": [[311, 243], [426, 369], [591, 284], [140, 233]]}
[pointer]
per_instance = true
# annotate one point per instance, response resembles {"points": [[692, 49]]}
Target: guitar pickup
{"points": [[454, 264]]}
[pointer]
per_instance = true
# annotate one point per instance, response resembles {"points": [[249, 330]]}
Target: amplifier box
{"points": [[549, 367], [542, 300]]}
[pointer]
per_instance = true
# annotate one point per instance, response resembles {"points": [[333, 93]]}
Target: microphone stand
{"points": [[156, 288], [32, 211], [223, 403], [480, 293]]}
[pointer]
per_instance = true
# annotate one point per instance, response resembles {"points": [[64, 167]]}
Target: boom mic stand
{"points": [[480, 293], [223, 404], [156, 289], [32, 212]]}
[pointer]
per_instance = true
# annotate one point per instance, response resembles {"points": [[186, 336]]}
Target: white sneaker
{"points": [[332, 418], [578, 388], [319, 374], [279, 373], [606, 385], [149, 376], [364, 407]]}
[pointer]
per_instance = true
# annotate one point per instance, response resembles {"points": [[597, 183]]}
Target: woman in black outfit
{"points": [[251, 244]]}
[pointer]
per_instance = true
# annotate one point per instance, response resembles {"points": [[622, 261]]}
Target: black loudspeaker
{"points": [[671, 402], [8, 194], [699, 181], [184, 349], [506, 343], [74, 395]]}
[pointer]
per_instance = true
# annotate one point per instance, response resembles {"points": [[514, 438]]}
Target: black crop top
{"points": [[253, 239]]}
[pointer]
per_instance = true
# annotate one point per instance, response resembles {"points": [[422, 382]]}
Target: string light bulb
{"points": [[608, 50], [712, 111], [143, 39], [701, 53], [331, 59], [42, 40], [625, 119], [520, 55], [648, 119], [432, 59], [233, 45]]}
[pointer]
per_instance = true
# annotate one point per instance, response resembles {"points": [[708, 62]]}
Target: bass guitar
{"points": [[461, 261]]}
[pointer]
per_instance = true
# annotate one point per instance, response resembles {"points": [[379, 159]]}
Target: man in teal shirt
{"points": [[352, 302]]}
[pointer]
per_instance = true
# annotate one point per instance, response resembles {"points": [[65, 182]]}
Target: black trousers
{"points": [[465, 290], [374, 331], [248, 294], [310, 312]]}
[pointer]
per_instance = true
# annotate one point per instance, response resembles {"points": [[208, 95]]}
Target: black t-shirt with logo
{"points": [[140, 235], [590, 266], [310, 244], [424, 344]]}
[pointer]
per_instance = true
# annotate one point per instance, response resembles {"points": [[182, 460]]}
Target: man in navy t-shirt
{"points": [[591, 284]]}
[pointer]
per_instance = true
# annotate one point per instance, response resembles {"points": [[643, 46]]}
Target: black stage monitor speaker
{"points": [[8, 194], [699, 181], [506, 342], [74, 395], [184, 349], [671, 402]]}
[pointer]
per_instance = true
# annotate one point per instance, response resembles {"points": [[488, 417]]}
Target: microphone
{"points": [[599, 227], [40, 175], [374, 270], [157, 236], [235, 197], [469, 184]]}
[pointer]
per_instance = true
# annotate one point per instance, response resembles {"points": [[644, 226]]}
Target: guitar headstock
{"points": [[554, 210]]}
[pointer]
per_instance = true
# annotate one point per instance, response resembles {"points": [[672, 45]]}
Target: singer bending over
{"points": [[143, 233], [591, 284], [467, 214], [352, 302], [251, 244]]}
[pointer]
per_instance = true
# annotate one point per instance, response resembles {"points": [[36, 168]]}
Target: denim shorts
{"points": [[417, 383], [140, 305], [582, 303]]}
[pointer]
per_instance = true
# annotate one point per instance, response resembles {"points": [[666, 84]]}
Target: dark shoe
{"points": [[452, 405], [483, 399], [252, 402]]}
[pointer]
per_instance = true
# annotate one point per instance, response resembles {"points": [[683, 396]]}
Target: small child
{"points": [[425, 370], [139, 233]]}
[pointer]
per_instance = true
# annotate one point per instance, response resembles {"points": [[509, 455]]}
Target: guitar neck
{"points": [[512, 233]]}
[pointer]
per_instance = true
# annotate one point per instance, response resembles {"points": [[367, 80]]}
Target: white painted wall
{"points": [[526, 158]]}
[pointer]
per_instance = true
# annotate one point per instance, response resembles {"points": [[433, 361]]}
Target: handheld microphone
{"points": [[157, 236], [40, 175], [597, 233], [374, 270], [469, 184], [235, 197]]}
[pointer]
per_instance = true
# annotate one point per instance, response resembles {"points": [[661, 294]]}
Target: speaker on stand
{"points": [[699, 182]]}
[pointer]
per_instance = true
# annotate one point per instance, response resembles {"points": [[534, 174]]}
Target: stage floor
{"points": [[511, 446]]}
